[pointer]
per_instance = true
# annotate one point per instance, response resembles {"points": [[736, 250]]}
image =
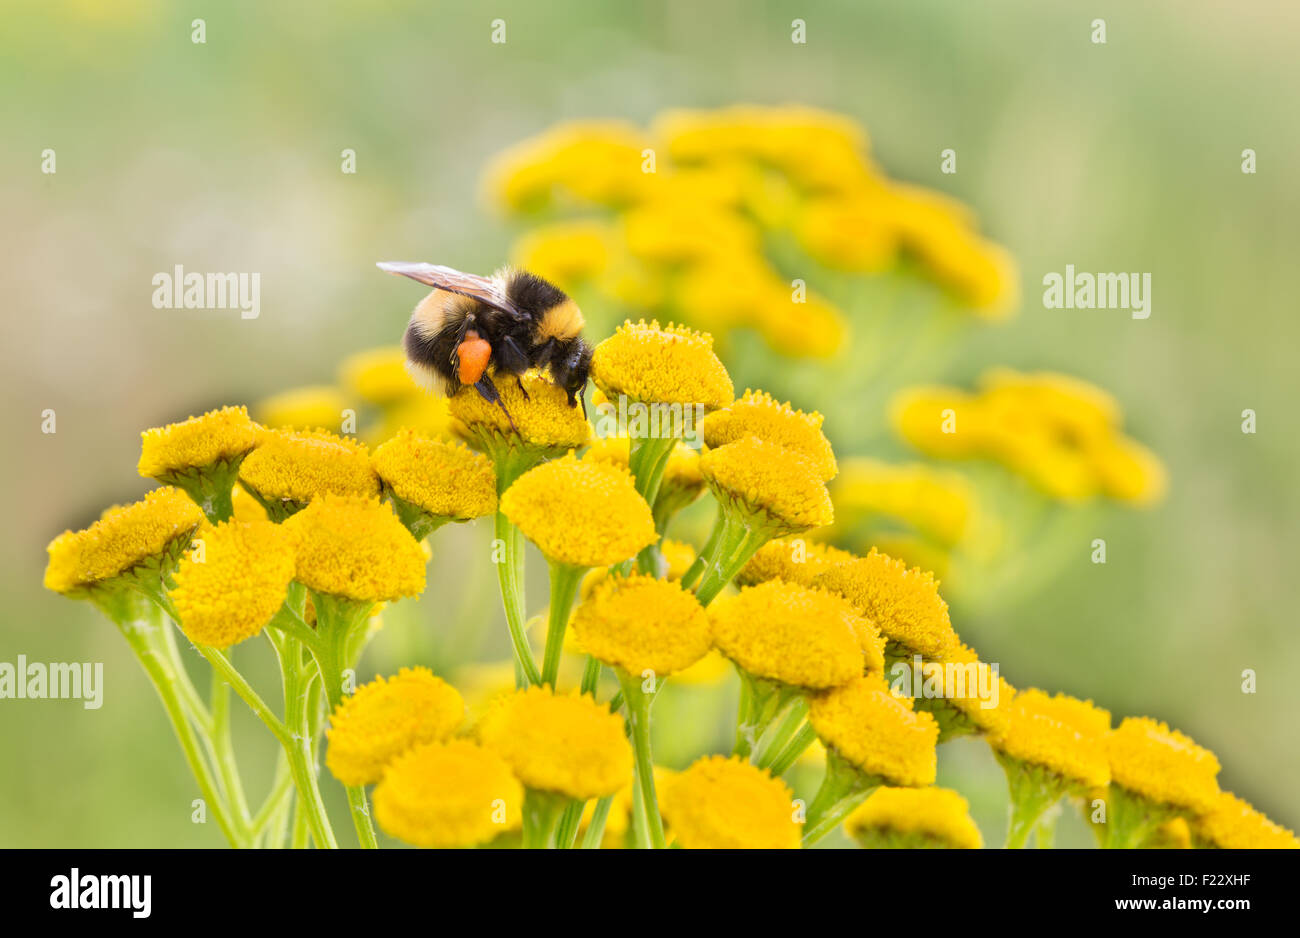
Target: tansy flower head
{"points": [[452, 794], [1038, 739], [560, 743], [903, 603], [876, 732], [145, 537], [965, 695], [722, 803], [638, 623], [183, 449], [583, 513], [797, 636], [670, 365], [936, 503], [791, 559], [758, 414], [387, 717], [378, 375], [233, 588], [779, 489], [291, 467], [315, 406], [543, 419], [1162, 765], [356, 548], [1232, 824], [914, 817], [439, 479]]}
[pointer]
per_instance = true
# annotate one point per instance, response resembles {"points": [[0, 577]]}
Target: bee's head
{"points": [[572, 370]]}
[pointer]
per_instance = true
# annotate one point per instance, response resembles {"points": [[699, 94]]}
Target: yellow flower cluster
{"points": [[151, 531], [653, 364], [228, 592], [689, 236], [1058, 735], [795, 635], [441, 478], [356, 548], [878, 733], [222, 435], [903, 603], [758, 414], [1162, 765], [912, 818], [580, 512], [452, 794], [791, 559], [385, 719], [289, 468], [1231, 823], [639, 623], [722, 803], [936, 504], [540, 409], [1060, 433], [562, 743], [781, 488]]}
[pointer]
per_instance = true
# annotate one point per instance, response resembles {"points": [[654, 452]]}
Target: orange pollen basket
{"points": [[472, 355]]}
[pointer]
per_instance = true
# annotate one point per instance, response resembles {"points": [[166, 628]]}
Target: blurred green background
{"points": [[226, 156]]}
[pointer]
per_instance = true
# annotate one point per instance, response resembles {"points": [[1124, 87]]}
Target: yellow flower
{"points": [[1232, 823], [947, 423], [682, 482], [1129, 471], [240, 580], [386, 718], [914, 817], [722, 803], [781, 488], [811, 328], [1083, 716], [903, 603], [427, 414], [678, 555], [378, 376], [1036, 735], [671, 365], [1162, 765], [291, 467], [591, 162], [147, 535], [962, 700], [542, 415], [315, 406], [452, 794], [847, 234], [795, 635], [356, 548], [713, 668], [444, 480], [246, 507], [638, 623], [580, 512], [561, 743], [567, 253], [791, 559], [876, 732], [675, 232], [759, 415], [223, 435], [936, 503]]}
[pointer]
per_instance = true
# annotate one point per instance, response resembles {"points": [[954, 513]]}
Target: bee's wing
{"points": [[484, 289]]}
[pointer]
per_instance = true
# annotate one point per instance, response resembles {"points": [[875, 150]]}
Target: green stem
{"points": [[301, 746], [140, 629], [644, 798], [224, 753], [705, 556], [843, 788], [225, 671], [793, 750], [596, 828], [342, 625], [565, 580], [773, 743], [738, 543], [541, 810], [761, 701], [510, 576], [566, 832], [591, 676], [647, 459]]}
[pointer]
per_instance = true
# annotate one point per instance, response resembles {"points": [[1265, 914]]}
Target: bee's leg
{"points": [[522, 390], [485, 387]]}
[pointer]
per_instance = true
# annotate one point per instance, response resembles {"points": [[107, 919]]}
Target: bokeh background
{"points": [[226, 156]]}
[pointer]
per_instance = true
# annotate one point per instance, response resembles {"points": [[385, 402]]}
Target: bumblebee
{"points": [[471, 328]]}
